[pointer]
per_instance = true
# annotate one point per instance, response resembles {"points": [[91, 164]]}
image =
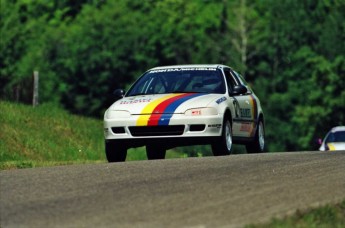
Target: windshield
{"points": [[179, 80], [338, 136]]}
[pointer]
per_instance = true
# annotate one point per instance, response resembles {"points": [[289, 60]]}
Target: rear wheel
{"points": [[258, 145], [223, 145], [115, 152], [155, 152]]}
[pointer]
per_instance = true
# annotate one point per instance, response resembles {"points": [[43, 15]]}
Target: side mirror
{"points": [[239, 89], [119, 93]]}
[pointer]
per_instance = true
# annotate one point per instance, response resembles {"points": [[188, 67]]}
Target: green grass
{"points": [[47, 135], [332, 216]]}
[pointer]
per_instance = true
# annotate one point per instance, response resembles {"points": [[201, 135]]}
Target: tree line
{"points": [[291, 52]]}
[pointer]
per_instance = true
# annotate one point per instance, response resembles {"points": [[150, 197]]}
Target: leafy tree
{"points": [[293, 62], [291, 52], [25, 46]]}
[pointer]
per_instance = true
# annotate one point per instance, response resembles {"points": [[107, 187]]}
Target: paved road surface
{"points": [[226, 191]]}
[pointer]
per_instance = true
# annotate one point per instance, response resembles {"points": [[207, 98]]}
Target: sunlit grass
{"points": [[47, 135]]}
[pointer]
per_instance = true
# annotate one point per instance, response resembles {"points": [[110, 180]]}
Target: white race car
{"points": [[334, 140], [184, 105]]}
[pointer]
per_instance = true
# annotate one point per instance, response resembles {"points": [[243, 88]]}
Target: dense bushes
{"points": [[292, 53]]}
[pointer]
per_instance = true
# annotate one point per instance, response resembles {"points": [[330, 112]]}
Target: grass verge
{"points": [[47, 135], [332, 216]]}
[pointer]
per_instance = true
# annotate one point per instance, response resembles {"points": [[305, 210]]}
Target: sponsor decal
{"points": [[136, 101], [248, 127], [220, 100], [183, 69], [215, 125], [160, 111], [196, 112], [245, 113]]}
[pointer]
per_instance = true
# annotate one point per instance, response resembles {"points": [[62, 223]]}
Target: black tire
{"points": [[223, 145], [258, 145], [115, 152], [155, 152]]}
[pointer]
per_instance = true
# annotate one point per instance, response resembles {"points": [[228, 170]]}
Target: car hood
{"points": [[336, 146], [164, 103]]}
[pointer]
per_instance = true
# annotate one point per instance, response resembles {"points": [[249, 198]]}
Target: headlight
{"points": [[110, 114], [201, 112]]}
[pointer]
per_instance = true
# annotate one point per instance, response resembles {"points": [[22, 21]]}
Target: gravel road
{"points": [[228, 191]]}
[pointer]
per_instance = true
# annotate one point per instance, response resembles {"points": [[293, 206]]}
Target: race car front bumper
{"points": [[182, 130]]}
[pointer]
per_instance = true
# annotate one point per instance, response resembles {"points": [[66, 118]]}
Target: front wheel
{"points": [[115, 152], [258, 145], [223, 145], [155, 152]]}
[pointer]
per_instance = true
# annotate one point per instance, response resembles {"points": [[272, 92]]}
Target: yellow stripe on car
{"points": [[146, 112], [331, 146]]}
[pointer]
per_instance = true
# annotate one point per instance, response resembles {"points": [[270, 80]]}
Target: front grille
{"points": [[157, 130]]}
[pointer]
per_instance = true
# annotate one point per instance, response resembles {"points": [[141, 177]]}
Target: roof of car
{"points": [[338, 128], [191, 66]]}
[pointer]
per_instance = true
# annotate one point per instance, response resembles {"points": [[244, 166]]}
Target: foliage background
{"points": [[291, 52]]}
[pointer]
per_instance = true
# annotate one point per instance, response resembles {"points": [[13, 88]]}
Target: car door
{"points": [[244, 105]]}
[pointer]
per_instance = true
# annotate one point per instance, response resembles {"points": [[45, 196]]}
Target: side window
{"points": [[241, 80], [229, 80], [235, 75]]}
